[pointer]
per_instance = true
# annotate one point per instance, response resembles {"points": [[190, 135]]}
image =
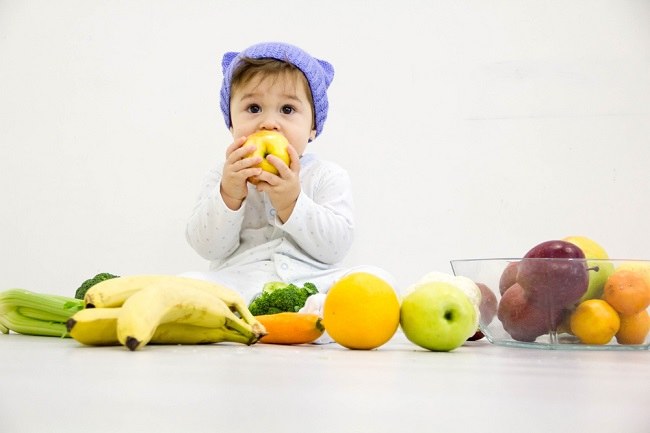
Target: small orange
{"points": [[361, 311], [627, 291], [634, 328], [594, 321]]}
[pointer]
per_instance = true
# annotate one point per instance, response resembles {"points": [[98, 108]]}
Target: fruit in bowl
{"points": [[523, 319], [508, 276], [553, 282], [558, 295], [599, 270]]}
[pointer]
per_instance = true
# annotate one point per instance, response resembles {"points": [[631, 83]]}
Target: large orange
{"points": [[361, 311], [628, 291]]}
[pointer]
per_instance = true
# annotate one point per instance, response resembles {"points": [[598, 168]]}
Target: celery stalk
{"points": [[16, 322], [33, 313]]}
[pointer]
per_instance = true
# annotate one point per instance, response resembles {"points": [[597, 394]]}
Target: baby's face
{"points": [[279, 103]]}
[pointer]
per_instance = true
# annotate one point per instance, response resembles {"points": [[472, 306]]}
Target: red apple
{"points": [[508, 277], [522, 319], [553, 274]]}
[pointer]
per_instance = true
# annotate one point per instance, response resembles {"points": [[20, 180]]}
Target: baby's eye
{"points": [[288, 109], [254, 108]]}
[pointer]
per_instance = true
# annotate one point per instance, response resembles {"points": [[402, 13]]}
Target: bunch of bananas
{"points": [[162, 309]]}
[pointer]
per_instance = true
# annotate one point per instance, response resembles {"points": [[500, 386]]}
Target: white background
{"points": [[470, 128]]}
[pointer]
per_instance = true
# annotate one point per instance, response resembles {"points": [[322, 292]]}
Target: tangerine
{"points": [[628, 291], [634, 328], [361, 311], [594, 321]]}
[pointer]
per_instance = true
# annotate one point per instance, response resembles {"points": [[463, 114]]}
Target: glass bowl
{"points": [[539, 313]]}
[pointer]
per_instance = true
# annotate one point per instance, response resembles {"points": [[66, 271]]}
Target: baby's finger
{"points": [[235, 145], [276, 162], [244, 153], [294, 164], [269, 179], [251, 162]]}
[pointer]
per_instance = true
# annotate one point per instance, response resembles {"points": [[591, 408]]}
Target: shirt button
{"points": [[272, 212], [284, 266]]}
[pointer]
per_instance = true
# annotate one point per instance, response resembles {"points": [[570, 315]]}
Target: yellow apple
{"points": [[268, 143], [599, 267]]}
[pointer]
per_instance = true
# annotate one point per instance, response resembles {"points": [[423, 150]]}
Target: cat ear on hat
{"points": [[328, 69], [227, 60]]}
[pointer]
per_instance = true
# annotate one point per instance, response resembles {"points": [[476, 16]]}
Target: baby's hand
{"points": [[284, 188], [236, 170]]}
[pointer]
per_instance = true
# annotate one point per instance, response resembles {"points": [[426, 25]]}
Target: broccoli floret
{"points": [[81, 291], [278, 297], [311, 288]]}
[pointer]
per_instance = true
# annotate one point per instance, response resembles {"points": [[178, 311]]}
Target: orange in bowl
{"points": [[634, 328], [594, 322], [361, 311], [628, 291]]}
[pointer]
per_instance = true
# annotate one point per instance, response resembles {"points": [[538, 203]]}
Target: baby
{"points": [[297, 225]]}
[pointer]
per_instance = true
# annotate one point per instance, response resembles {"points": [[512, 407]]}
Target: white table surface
{"points": [[56, 385]]}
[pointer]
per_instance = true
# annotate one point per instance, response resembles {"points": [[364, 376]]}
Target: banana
{"points": [[181, 333], [170, 301], [95, 326], [115, 291], [98, 327], [3, 329]]}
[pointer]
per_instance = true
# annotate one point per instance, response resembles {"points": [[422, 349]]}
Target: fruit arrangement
{"points": [[360, 311], [566, 291], [560, 292]]}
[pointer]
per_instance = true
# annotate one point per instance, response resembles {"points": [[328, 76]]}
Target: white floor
{"points": [[51, 385]]}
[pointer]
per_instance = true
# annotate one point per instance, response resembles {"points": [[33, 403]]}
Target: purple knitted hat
{"points": [[319, 74]]}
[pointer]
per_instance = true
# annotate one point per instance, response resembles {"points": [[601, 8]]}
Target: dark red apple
{"points": [[553, 274]]}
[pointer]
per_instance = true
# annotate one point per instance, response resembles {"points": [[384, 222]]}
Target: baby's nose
{"points": [[269, 122]]}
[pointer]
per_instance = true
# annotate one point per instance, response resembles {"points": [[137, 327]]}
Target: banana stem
{"points": [[237, 324], [236, 337]]}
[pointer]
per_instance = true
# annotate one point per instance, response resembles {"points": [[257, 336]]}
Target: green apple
{"points": [[268, 143], [438, 316], [599, 268], [466, 285]]}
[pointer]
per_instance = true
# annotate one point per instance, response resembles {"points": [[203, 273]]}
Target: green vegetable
{"points": [[279, 297], [32, 313], [81, 291]]}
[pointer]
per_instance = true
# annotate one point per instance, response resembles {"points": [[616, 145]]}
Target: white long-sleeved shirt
{"points": [[315, 238]]}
